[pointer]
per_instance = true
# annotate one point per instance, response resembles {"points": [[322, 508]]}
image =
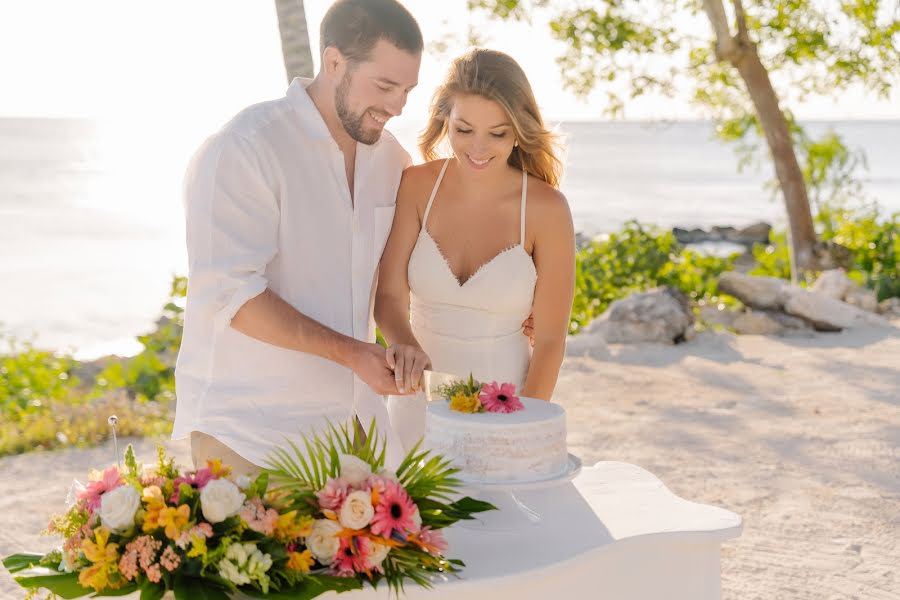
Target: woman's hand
{"points": [[408, 363]]}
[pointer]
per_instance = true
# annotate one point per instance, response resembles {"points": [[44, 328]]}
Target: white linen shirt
{"points": [[268, 206]]}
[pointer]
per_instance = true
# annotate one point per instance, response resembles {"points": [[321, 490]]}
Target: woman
{"points": [[479, 241]]}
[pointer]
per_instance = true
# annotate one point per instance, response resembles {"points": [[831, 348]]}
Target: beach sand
{"points": [[801, 436]]}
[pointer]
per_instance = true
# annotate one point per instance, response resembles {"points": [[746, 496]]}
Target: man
{"points": [[288, 210]]}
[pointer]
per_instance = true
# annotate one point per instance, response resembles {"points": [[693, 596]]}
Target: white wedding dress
{"points": [[474, 326]]}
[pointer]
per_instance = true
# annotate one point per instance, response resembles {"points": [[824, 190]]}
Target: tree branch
{"points": [[741, 18], [726, 48]]}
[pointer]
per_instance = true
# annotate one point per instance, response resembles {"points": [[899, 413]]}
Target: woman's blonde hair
{"points": [[496, 76]]}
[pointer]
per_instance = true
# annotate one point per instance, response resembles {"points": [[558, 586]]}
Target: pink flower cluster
{"points": [[258, 517], [141, 553]]}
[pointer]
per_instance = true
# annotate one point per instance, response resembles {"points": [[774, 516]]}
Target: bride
{"points": [[481, 240]]}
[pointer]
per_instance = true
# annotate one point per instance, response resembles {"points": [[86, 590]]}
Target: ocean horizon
{"points": [[92, 215]]}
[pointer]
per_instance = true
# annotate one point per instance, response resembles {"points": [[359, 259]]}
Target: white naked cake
{"points": [[489, 447]]}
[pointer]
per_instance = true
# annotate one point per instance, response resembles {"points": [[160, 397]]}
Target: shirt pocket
{"points": [[384, 218]]}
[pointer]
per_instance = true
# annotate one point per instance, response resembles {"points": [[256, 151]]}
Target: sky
{"points": [[194, 63]]}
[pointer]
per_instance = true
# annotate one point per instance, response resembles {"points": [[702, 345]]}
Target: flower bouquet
{"points": [[473, 397], [325, 518]]}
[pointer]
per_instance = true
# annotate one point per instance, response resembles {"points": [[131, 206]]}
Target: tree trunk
{"points": [[790, 177], [294, 39], [741, 52]]}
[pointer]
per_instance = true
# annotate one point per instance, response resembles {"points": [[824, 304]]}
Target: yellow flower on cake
{"points": [[466, 403]]}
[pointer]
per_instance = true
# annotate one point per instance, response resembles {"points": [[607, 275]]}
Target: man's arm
{"points": [[268, 318]]}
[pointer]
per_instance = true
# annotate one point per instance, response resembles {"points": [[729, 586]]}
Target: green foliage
{"points": [[873, 243], [31, 379], [150, 375], [638, 258]]}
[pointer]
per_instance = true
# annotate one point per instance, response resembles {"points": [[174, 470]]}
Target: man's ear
{"points": [[333, 62]]}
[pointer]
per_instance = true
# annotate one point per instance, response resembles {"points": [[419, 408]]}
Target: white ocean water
{"points": [[91, 225]]}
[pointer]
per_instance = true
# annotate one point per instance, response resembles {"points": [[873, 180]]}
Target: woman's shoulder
{"points": [[423, 173], [417, 182], [547, 203]]}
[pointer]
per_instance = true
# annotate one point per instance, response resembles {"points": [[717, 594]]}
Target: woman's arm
{"points": [[392, 295], [554, 259]]}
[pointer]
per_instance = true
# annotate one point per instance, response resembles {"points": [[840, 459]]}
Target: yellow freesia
{"points": [[105, 557], [175, 520], [300, 561], [465, 403], [289, 527]]}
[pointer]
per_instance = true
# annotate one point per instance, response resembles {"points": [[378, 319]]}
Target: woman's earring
{"points": [[516, 144]]}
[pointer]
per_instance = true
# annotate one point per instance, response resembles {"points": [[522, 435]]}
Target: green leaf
{"points": [[64, 585], [124, 591], [152, 591], [18, 562], [309, 588], [192, 588]]}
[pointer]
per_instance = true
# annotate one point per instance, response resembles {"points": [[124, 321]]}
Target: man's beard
{"points": [[352, 123]]}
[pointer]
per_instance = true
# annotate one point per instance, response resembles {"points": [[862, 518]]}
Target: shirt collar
{"points": [[309, 115]]}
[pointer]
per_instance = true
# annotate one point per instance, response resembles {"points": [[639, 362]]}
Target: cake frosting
{"points": [[527, 445]]}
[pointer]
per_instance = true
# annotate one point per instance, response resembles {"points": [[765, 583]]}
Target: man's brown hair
{"points": [[355, 26]]}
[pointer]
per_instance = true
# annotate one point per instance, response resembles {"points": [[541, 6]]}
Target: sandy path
{"points": [[801, 436]]}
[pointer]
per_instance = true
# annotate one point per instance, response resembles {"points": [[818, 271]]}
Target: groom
{"points": [[288, 208]]}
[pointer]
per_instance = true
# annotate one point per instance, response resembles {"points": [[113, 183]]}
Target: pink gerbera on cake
{"points": [[500, 398]]}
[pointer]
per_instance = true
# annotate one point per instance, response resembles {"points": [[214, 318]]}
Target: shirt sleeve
{"points": [[232, 217]]}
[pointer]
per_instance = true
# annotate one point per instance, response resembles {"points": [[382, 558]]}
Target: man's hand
{"points": [[408, 363], [370, 364], [528, 328]]}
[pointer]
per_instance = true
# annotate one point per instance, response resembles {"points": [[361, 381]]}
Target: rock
{"points": [[757, 233], [889, 307], [722, 233], [714, 316], [834, 284], [862, 298], [789, 322], [744, 262], [690, 236], [827, 312], [756, 292], [757, 323], [659, 315]]}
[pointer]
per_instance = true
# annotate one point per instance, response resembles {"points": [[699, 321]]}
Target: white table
{"points": [[615, 532]]}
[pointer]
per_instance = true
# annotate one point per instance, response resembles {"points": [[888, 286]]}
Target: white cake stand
{"points": [[513, 510]]}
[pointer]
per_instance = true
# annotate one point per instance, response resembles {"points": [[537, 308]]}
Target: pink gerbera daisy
{"points": [[110, 480], [500, 398], [353, 556], [394, 513], [196, 480]]}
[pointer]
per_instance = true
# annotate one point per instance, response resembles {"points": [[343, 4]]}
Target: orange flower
{"points": [[218, 469]]}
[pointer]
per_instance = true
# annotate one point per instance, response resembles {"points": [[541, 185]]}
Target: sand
{"points": [[801, 436]]}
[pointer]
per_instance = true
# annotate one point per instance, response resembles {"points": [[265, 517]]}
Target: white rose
{"points": [[243, 481], [323, 541], [354, 470], [219, 500], [118, 506], [357, 510], [379, 553]]}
